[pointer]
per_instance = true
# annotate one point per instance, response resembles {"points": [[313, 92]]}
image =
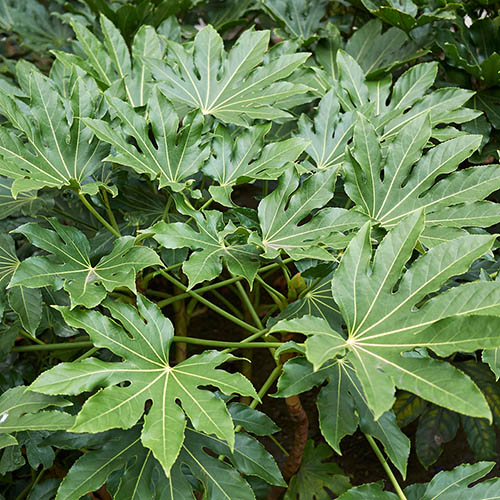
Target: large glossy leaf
{"points": [[300, 19], [144, 344], [329, 133], [60, 151], [222, 479], [234, 87], [247, 158], [410, 97], [342, 406], [120, 451], [380, 53], [282, 211], [448, 485], [214, 242], [141, 475], [481, 437], [27, 303], [112, 64], [70, 265], [403, 181], [21, 410], [168, 154], [385, 326]]}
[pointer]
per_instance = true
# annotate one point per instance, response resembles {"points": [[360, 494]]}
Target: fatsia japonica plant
{"points": [[239, 249]]}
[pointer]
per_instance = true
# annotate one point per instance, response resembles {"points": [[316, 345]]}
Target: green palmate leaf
{"points": [[21, 410], [141, 475], [436, 427], [448, 485], [119, 448], [25, 302], [60, 151], [214, 242], [300, 19], [379, 53], [391, 186], [246, 158], [410, 97], [281, 213], [150, 376], [70, 265], [233, 87], [171, 157], [383, 324], [111, 63], [223, 480], [317, 478], [342, 406], [329, 132]]}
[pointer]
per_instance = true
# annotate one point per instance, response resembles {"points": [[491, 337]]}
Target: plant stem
{"points": [[266, 386], [249, 305], [223, 343], [277, 297], [206, 288], [28, 336], [97, 215], [53, 347], [181, 321], [75, 219], [166, 302], [188, 340], [386, 467], [30, 486], [167, 208], [279, 445], [111, 215], [210, 305], [227, 303]]}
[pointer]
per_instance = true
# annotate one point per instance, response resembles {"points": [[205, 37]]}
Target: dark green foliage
{"points": [[199, 199]]}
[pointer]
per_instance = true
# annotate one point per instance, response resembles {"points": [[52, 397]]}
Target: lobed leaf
{"points": [[143, 342]]}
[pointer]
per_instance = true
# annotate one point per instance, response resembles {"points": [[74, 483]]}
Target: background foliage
{"points": [[206, 206]]}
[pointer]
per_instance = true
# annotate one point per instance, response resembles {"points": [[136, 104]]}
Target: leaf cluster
{"points": [[185, 183]]}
